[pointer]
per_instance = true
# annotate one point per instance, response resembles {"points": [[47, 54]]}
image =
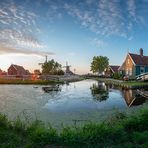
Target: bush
{"points": [[117, 76], [120, 131]]}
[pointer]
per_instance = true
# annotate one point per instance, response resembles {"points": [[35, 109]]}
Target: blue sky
{"points": [[71, 30]]}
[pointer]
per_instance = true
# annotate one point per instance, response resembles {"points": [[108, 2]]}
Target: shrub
{"points": [[117, 76]]}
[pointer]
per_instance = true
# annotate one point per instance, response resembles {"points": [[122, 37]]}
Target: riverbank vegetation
{"points": [[121, 130], [34, 82], [123, 84]]}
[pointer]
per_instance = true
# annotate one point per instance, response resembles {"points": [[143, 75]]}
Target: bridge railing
{"points": [[143, 76]]}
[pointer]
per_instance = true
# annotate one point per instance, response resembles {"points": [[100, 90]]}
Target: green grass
{"points": [[119, 131], [126, 84], [134, 83], [36, 82]]}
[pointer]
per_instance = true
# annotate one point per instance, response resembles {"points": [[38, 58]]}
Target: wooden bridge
{"points": [[142, 77], [143, 93]]}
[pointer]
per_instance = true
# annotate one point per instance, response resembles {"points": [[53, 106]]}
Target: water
{"points": [[86, 101]]}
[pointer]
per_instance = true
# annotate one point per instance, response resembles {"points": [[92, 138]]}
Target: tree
{"points": [[99, 63], [52, 67]]}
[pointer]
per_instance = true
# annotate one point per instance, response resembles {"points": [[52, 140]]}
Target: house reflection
{"points": [[100, 91], [132, 98]]}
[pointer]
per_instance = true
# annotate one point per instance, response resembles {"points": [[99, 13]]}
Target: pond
{"points": [[86, 100]]}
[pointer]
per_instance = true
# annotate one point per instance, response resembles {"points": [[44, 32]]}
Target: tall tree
{"points": [[99, 63], [51, 67]]}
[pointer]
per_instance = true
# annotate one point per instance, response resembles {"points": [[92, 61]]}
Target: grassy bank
{"points": [[124, 84], [36, 82], [119, 131]]}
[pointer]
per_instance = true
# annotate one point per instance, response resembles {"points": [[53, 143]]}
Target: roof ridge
{"points": [[138, 54]]}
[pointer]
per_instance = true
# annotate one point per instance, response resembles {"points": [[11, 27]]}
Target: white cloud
{"points": [[107, 18], [14, 50], [98, 42], [132, 8], [130, 38], [104, 17], [18, 28]]}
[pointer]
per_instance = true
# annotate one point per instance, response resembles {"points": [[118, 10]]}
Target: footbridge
{"points": [[142, 77]]}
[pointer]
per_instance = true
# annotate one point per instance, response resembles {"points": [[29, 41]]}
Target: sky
{"points": [[72, 31]]}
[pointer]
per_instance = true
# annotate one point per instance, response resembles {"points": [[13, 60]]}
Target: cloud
{"points": [[108, 18], [97, 42], [132, 8], [11, 50], [102, 17], [13, 15], [130, 38], [18, 30], [19, 39]]}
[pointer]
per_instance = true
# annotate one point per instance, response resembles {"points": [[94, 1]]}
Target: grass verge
{"points": [[119, 131], [124, 84], [36, 82]]}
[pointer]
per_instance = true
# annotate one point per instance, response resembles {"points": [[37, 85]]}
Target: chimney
{"points": [[141, 52]]}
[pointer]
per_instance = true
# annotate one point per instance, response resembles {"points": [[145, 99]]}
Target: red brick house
{"points": [[111, 70], [134, 64], [17, 70]]}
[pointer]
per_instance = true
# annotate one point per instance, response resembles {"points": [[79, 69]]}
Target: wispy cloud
{"points": [[106, 18], [98, 42], [18, 28], [130, 38], [103, 17], [12, 50], [132, 9]]}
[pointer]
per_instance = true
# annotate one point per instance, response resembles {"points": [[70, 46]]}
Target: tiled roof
{"points": [[139, 60], [114, 68]]}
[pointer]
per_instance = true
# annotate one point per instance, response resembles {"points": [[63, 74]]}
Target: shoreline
{"points": [[123, 84], [52, 80]]}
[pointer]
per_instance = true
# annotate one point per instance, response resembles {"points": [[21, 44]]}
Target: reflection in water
{"points": [[75, 101], [132, 97], [100, 91]]}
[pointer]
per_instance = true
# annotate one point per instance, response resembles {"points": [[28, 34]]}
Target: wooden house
{"points": [[134, 64], [17, 70], [111, 70]]}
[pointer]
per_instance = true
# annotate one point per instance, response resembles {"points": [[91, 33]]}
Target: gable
{"points": [[114, 68], [12, 68], [127, 64]]}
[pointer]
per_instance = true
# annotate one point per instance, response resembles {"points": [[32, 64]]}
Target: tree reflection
{"points": [[99, 91]]}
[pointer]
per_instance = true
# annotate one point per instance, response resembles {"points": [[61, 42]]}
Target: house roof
{"points": [[18, 68], [114, 68], [139, 60]]}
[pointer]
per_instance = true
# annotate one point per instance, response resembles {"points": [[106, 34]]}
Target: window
{"points": [[142, 70], [128, 61], [127, 72], [130, 71]]}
